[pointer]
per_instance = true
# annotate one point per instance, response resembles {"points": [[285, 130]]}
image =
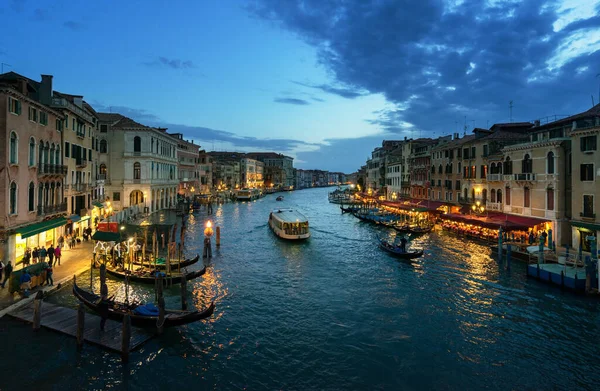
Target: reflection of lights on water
{"points": [[208, 289]]}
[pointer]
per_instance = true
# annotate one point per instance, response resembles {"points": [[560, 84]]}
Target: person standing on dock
{"points": [[43, 254], [7, 272], [49, 271], [51, 253], [57, 254]]}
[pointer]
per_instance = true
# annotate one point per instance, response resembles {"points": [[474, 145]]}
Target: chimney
{"points": [[46, 89], [536, 123]]}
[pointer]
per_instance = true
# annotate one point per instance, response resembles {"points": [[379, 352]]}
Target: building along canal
{"points": [[333, 312]]}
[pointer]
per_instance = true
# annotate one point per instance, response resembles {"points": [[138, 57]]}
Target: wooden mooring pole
{"points": [[37, 310], [218, 236]]}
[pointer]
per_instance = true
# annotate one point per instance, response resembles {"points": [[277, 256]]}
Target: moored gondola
{"points": [[140, 315], [174, 265], [397, 250], [146, 276]]}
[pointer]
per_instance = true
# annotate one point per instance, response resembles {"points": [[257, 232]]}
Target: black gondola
{"points": [[413, 230], [148, 276], [280, 198], [117, 311], [350, 209], [398, 252], [174, 265]]}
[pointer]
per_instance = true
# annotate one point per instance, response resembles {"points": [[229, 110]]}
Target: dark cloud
{"points": [[41, 15], [75, 26], [437, 62], [175, 63], [291, 101], [347, 93]]}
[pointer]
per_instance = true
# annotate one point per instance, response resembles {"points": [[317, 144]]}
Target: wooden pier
{"points": [[64, 320]]}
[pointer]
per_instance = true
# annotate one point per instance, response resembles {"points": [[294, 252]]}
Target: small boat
{"points": [[139, 314], [413, 229], [247, 194], [398, 252], [288, 223], [280, 198], [350, 209], [148, 276], [174, 265]]}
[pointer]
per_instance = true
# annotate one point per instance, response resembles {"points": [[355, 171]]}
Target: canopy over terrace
{"points": [[498, 220], [419, 206]]}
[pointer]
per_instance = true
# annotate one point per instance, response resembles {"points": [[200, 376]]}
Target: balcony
{"points": [[528, 177], [62, 102], [495, 178], [81, 134], [495, 206], [81, 163], [78, 187], [51, 209], [101, 177], [51, 169]]}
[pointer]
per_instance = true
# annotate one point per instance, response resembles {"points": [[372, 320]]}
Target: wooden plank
{"points": [[64, 320]]}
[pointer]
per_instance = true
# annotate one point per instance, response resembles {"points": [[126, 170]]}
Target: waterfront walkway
{"points": [[73, 261]]}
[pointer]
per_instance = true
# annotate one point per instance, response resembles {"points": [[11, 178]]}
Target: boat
{"points": [[398, 252], [247, 194], [148, 276], [288, 223], [117, 311], [413, 229], [174, 264], [350, 209], [280, 198]]}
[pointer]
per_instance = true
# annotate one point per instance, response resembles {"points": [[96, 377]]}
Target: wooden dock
{"points": [[64, 320]]}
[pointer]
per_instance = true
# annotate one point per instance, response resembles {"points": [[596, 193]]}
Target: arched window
{"points": [[31, 152], [52, 154], [41, 152], [14, 148], [550, 162], [57, 154], [31, 197], [103, 146], [484, 195], [13, 198], [465, 193], [526, 164], [472, 194], [103, 169], [493, 168], [499, 196], [137, 144], [137, 170], [507, 166], [507, 192], [550, 198], [493, 195], [46, 152], [440, 169]]}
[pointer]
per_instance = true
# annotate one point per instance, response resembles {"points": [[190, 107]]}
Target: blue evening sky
{"points": [[324, 81]]}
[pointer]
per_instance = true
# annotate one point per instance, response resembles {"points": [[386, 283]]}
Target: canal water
{"points": [[333, 313]]}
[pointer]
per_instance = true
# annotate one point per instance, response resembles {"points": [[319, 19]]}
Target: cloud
{"points": [[164, 62], [41, 15], [347, 93], [437, 62], [75, 26], [139, 115], [292, 101]]}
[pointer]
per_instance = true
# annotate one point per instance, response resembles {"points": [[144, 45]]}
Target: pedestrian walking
{"points": [[36, 254], [7, 272], [49, 271], [43, 254], [61, 241], [51, 253], [57, 255]]}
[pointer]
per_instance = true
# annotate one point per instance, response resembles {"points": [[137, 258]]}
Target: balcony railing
{"points": [[81, 134], [523, 177], [77, 187], [497, 206], [101, 177], [43, 210], [495, 177], [62, 102], [51, 169], [81, 163]]}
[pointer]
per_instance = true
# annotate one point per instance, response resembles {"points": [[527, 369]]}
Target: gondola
{"points": [[350, 209], [397, 251], [174, 265], [415, 230], [280, 198], [148, 276], [117, 311]]}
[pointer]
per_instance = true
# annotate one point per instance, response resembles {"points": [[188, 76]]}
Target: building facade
{"points": [[188, 163]]}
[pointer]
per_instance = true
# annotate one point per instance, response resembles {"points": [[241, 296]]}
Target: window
{"points": [[67, 149], [14, 148], [14, 106], [33, 114], [13, 198], [483, 171], [507, 190], [73, 128], [527, 165], [137, 144], [473, 172], [116, 196], [459, 168], [457, 186], [499, 196], [103, 146], [102, 169], [66, 122], [136, 170], [587, 172], [550, 199], [526, 197], [550, 163], [473, 152], [43, 118], [485, 151], [440, 169], [31, 195], [493, 195], [103, 128], [588, 143], [31, 152], [90, 155], [57, 153], [588, 206], [466, 153], [59, 125], [508, 166]]}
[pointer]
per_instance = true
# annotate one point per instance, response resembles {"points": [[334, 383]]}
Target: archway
{"points": [[136, 197]]}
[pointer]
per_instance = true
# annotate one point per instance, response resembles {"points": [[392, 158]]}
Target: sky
{"points": [[323, 81]]}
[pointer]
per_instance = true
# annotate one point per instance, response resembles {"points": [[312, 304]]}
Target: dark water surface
{"points": [[334, 313]]}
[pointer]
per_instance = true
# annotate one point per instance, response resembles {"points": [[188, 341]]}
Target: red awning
{"points": [[525, 221]]}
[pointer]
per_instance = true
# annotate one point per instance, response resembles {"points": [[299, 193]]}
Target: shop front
{"points": [[582, 232], [39, 234]]}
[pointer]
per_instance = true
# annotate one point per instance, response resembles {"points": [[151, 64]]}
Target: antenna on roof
{"points": [[3, 64], [510, 106]]}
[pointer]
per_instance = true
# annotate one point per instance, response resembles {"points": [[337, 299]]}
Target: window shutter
{"points": [[18, 107], [582, 144]]}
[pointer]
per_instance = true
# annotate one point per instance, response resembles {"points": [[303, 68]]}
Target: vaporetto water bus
{"points": [[288, 223], [246, 194]]}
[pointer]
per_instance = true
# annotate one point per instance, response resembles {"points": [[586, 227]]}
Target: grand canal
{"points": [[335, 313]]}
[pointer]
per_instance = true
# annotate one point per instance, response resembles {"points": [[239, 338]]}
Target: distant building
{"points": [[188, 164], [272, 159]]}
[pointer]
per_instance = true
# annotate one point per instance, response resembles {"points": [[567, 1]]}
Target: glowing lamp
{"points": [[208, 231]]}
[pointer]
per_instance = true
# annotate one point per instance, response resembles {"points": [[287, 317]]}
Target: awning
{"points": [[84, 218], [42, 226], [74, 218], [590, 226], [98, 204], [522, 220], [106, 236]]}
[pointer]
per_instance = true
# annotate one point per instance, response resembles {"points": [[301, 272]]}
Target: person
{"points": [[57, 254], [49, 280], [25, 282], [26, 257], [545, 236], [61, 241], [531, 239], [36, 254], [7, 272], [103, 305], [43, 253], [51, 253], [403, 243]]}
